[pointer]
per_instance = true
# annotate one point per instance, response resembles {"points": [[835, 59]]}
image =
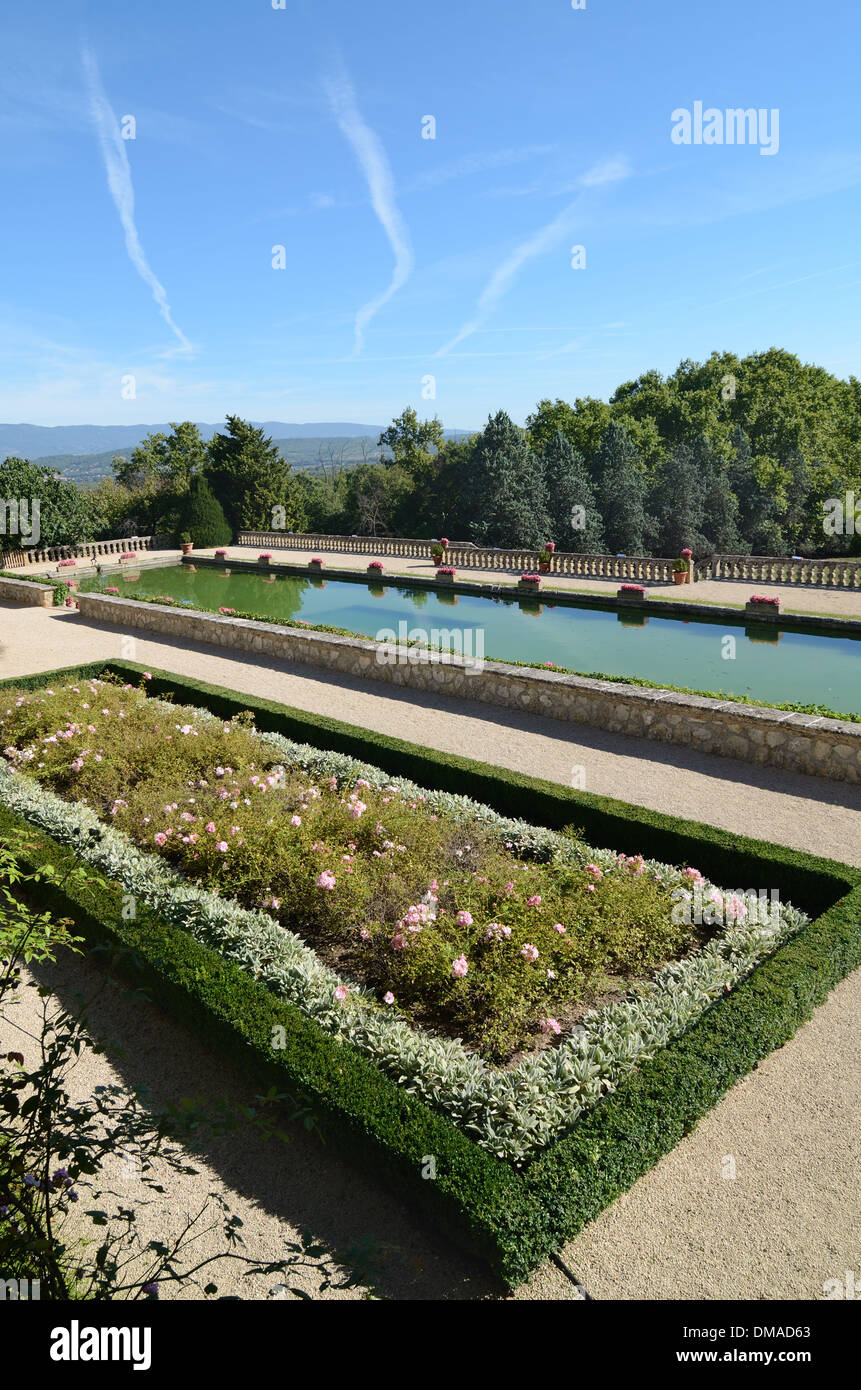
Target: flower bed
{"points": [[375, 567], [317, 561], [129, 555], [221, 554], [66, 564], [422, 907], [530, 580], [762, 601], [524, 1112], [631, 591], [446, 572], [264, 557]]}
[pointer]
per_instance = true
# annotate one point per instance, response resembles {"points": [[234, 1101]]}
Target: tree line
{"points": [[734, 455]]}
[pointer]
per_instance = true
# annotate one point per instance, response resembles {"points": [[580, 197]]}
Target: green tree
{"points": [[677, 503], [203, 517], [66, 515], [503, 488], [251, 479], [621, 492], [575, 522]]}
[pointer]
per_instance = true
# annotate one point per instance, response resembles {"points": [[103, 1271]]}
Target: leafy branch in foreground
{"points": [[54, 1148]]}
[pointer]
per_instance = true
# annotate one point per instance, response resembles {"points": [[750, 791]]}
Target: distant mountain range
{"points": [[47, 441], [309, 447]]}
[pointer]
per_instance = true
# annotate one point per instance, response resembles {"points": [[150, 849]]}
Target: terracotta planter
{"points": [[187, 547], [680, 576], [544, 566]]}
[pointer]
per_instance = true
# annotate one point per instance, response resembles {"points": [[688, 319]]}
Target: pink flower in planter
{"points": [[550, 546], [764, 600], [220, 554], [631, 589], [129, 555], [265, 555], [530, 579], [445, 542], [316, 560], [375, 565], [459, 967], [446, 572]]}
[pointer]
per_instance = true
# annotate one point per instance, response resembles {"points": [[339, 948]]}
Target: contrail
{"points": [[121, 188], [381, 185], [541, 241]]}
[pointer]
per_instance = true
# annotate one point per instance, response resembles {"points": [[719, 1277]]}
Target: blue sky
{"points": [[408, 258]]}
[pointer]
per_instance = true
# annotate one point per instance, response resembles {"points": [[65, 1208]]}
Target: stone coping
{"points": [[26, 592], [805, 743]]}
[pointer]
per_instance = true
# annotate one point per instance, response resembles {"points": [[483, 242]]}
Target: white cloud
{"points": [[543, 240], [375, 166], [608, 171], [122, 190], [476, 164]]}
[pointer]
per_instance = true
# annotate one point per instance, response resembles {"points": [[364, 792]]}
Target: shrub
{"points": [[202, 518]]}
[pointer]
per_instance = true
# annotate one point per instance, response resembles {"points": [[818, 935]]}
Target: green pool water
{"points": [[760, 663]]}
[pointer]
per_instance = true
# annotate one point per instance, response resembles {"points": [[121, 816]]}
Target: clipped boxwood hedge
{"points": [[510, 1219]]}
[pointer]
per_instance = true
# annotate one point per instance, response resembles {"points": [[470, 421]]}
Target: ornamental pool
{"points": [[761, 663]]}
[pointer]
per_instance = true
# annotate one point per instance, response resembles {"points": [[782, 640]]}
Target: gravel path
{"points": [[789, 1219]]}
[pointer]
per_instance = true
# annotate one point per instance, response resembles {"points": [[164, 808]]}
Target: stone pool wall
{"points": [[776, 738], [22, 591]]}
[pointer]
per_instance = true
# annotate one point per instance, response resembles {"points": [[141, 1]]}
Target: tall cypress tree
{"points": [[203, 516], [503, 488], [621, 492], [250, 478], [575, 522]]}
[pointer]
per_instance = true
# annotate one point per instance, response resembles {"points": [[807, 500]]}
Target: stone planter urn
{"points": [[631, 593]]}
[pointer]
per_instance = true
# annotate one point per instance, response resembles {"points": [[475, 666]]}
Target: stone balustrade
{"points": [[835, 572], [465, 556], [755, 569], [29, 556]]}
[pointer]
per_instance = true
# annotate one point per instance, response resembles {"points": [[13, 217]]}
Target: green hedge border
{"points": [[510, 1220]]}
